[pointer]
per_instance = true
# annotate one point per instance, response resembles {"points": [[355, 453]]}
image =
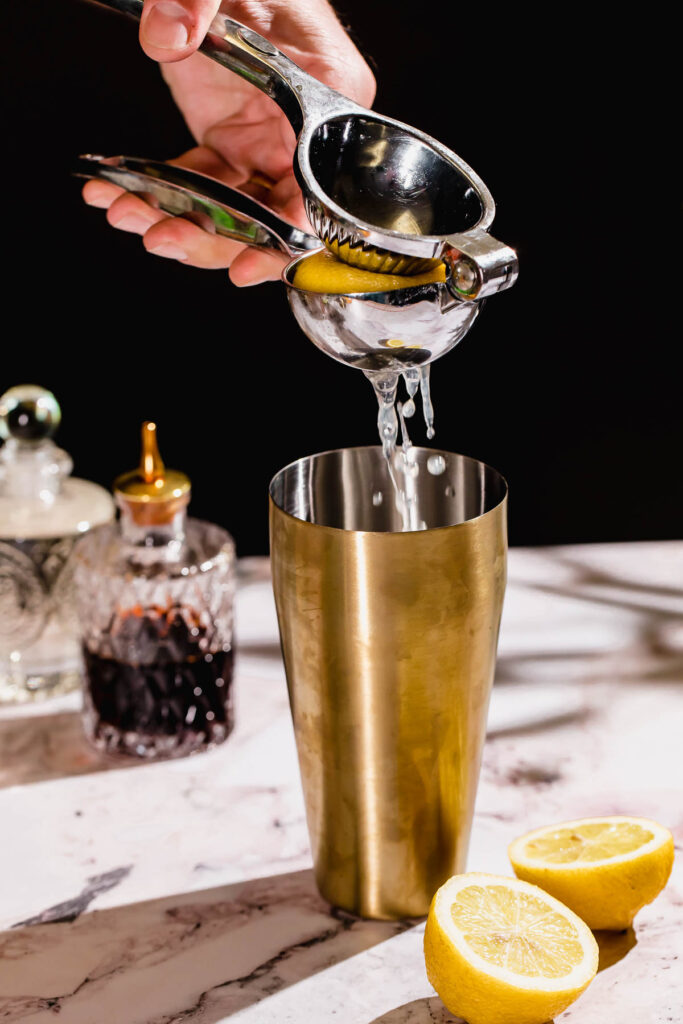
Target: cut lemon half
{"points": [[605, 869], [501, 951]]}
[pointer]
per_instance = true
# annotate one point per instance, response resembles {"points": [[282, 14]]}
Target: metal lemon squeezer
{"points": [[379, 194]]}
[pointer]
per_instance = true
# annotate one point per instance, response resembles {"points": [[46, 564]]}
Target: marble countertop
{"points": [[182, 891]]}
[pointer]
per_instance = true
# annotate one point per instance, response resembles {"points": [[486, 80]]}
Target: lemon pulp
{"points": [[323, 272], [588, 842], [517, 931]]}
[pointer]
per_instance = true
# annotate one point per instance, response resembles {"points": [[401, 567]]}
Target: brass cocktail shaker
{"points": [[389, 641]]}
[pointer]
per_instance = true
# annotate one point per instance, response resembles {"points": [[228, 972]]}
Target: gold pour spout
{"points": [[151, 493], [151, 464]]}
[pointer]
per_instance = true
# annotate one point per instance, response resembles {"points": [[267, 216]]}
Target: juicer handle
{"points": [[480, 265], [257, 60], [180, 191]]}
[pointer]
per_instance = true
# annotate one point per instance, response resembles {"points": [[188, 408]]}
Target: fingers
{"points": [[254, 267], [124, 211], [100, 194], [130, 213], [196, 243], [179, 239], [175, 238], [171, 30]]}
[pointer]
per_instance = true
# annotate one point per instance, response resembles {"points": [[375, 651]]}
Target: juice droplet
{"points": [[427, 407], [385, 386], [411, 378], [449, 492], [377, 498], [406, 443], [436, 464]]}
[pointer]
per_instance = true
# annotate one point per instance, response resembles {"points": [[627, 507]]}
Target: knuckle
{"points": [[168, 230], [122, 205]]}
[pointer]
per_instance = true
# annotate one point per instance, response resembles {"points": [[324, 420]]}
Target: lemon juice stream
{"points": [[323, 272]]}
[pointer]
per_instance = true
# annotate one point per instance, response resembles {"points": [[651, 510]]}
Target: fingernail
{"points": [[167, 26], [131, 222], [170, 251]]}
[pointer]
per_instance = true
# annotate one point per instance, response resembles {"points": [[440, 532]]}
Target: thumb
{"points": [[173, 29]]}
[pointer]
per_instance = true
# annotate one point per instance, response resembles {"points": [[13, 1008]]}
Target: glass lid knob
{"points": [[29, 413]]}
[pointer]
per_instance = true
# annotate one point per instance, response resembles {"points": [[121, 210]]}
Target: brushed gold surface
{"points": [[389, 642]]}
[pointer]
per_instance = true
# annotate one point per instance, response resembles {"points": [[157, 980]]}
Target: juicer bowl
{"points": [[391, 330]]}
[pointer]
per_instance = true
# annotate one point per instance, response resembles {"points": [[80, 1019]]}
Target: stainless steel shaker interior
{"points": [[380, 194], [372, 331], [339, 489]]}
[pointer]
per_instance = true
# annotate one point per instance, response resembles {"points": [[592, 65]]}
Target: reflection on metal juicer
{"points": [[354, 329]]}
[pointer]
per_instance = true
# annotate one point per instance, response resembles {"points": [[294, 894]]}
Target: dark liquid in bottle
{"points": [[156, 688]]}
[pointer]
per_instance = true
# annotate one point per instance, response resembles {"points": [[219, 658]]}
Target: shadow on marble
{"points": [[653, 650], [419, 1011], [36, 748], [540, 726], [614, 946], [266, 650], [196, 956], [657, 636], [510, 668], [589, 575]]}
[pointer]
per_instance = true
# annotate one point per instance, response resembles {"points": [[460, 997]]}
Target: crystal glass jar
{"points": [[43, 510], [154, 597]]}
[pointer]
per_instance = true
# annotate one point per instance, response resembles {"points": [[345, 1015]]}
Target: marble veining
{"points": [[69, 910], [183, 891]]}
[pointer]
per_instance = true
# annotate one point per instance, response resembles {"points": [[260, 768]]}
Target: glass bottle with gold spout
{"points": [[154, 596], [43, 510]]}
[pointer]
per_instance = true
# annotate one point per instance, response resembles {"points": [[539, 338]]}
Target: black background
{"points": [[568, 384]]}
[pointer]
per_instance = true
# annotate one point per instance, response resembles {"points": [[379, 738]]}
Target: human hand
{"points": [[244, 138]]}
